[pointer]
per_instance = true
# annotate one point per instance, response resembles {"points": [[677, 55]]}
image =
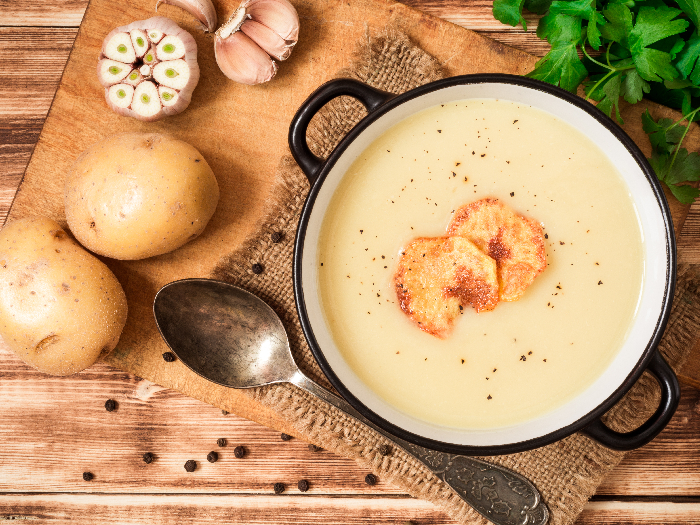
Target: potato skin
{"points": [[137, 195], [60, 307]]}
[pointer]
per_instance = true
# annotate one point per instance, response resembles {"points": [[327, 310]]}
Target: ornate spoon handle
{"points": [[500, 495]]}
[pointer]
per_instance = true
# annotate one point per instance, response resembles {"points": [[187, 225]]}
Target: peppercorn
{"points": [[148, 458], [277, 237], [110, 405], [239, 452], [371, 479], [303, 485], [87, 476], [169, 357], [212, 457], [257, 268], [278, 488], [314, 448], [221, 442], [285, 437], [190, 465], [384, 449]]}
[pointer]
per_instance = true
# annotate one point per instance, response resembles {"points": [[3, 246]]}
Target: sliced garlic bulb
{"points": [[257, 31], [148, 68]]}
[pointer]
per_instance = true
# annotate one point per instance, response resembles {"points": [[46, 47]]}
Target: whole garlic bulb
{"points": [[258, 31], [148, 69]]}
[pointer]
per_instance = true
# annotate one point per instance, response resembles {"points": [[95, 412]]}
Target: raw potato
{"points": [[137, 195], [60, 307]]}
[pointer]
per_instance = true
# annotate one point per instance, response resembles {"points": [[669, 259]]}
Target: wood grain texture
{"points": [[51, 13]]}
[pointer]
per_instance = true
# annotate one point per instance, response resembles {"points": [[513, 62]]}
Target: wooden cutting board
{"points": [[241, 131]]}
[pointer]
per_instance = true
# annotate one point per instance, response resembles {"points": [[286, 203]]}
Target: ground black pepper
{"points": [[278, 488], [87, 476], [110, 405], [303, 485], [285, 437], [212, 457], [257, 268], [190, 465], [148, 458], [169, 357], [371, 479], [314, 448], [384, 449], [239, 452], [221, 442], [276, 237]]}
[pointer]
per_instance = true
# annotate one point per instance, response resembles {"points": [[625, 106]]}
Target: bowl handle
{"points": [[670, 395], [371, 98]]}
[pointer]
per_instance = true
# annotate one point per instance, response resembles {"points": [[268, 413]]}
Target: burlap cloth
{"points": [[568, 472]]}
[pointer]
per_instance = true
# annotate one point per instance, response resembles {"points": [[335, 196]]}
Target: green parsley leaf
{"points": [[634, 87], [509, 12], [652, 25], [560, 29], [561, 67], [692, 9], [684, 193], [686, 168], [538, 6], [688, 60], [618, 25], [608, 96], [662, 134]]}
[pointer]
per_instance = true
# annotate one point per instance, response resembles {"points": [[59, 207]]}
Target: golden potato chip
{"points": [[437, 277], [515, 242]]}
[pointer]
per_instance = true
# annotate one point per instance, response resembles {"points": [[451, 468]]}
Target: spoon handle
{"points": [[500, 495]]}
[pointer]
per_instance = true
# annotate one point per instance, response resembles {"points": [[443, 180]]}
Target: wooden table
{"points": [[54, 429]]}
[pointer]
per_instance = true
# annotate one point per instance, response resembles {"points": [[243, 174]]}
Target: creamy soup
{"points": [[524, 358]]}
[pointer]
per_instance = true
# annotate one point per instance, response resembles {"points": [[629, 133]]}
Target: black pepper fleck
{"points": [[148, 458], [278, 488], [546, 236], [221, 442], [212, 457], [110, 405], [371, 479], [384, 449], [303, 485], [489, 397], [168, 357], [276, 237], [190, 465], [239, 452], [600, 282], [512, 194], [87, 476], [257, 268], [285, 437]]}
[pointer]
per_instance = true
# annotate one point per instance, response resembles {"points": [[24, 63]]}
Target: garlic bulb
{"points": [[258, 31], [148, 68], [202, 10]]}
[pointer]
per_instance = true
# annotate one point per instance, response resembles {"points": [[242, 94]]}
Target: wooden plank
{"points": [[54, 428], [120, 509], [689, 240], [53, 13], [87, 509]]}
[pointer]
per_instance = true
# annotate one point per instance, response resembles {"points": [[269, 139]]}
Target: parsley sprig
{"points": [[626, 49]]}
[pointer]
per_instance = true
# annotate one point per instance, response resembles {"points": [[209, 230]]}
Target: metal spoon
{"points": [[233, 338]]}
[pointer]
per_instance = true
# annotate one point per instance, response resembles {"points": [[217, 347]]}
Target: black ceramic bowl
{"points": [[639, 352]]}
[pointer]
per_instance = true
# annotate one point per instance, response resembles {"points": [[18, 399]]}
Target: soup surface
{"points": [[523, 358]]}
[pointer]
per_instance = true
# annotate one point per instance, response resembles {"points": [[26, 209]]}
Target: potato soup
{"points": [[524, 358]]}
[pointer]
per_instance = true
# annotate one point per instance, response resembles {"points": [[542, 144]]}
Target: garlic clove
{"points": [[119, 47], [168, 96], [170, 48], [111, 72], [146, 102], [278, 15], [140, 42], [202, 10], [121, 95], [242, 60], [154, 35], [172, 73], [273, 44], [150, 58], [134, 78]]}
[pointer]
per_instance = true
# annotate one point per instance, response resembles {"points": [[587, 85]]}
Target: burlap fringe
{"points": [[567, 472]]}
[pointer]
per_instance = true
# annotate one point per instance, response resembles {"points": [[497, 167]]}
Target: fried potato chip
{"points": [[515, 242], [438, 276]]}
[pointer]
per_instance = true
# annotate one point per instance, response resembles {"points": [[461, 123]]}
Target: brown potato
{"points": [[137, 195], [60, 307]]}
